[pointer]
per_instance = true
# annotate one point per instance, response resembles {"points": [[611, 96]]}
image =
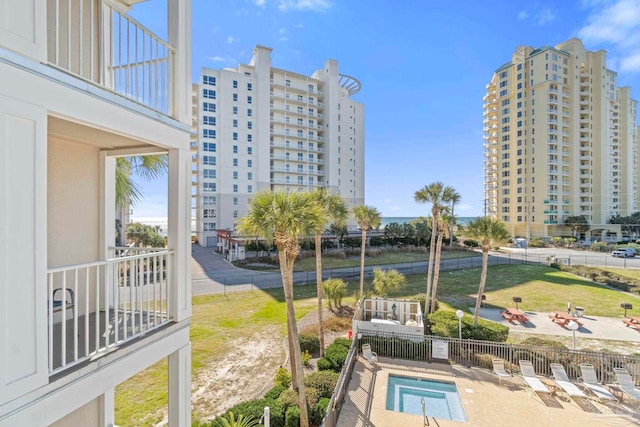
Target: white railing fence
{"points": [[97, 41], [96, 306]]}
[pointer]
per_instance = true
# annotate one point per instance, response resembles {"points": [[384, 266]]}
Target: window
{"points": [[311, 157], [209, 120], [209, 160], [249, 112], [209, 107], [299, 157], [311, 146], [235, 136], [235, 201], [209, 226], [235, 123], [235, 84], [503, 92], [235, 149], [311, 112], [300, 98], [235, 174], [249, 87], [311, 100], [209, 147], [235, 162], [312, 134], [300, 110], [209, 133], [249, 125], [235, 96], [209, 80], [208, 213], [249, 138], [503, 74], [312, 124], [299, 122], [300, 134], [311, 88], [249, 163], [209, 187], [235, 110], [235, 214], [248, 100], [249, 150], [249, 188], [209, 93], [300, 169], [300, 180], [287, 83], [249, 176], [209, 200], [235, 188], [209, 173]]}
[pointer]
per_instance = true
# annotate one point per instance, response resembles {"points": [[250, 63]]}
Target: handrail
{"points": [[107, 261]]}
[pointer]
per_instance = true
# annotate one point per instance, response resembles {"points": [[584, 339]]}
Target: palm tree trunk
{"points": [[293, 331], [483, 281], [427, 300], [362, 249], [453, 218], [436, 272], [319, 289], [283, 272]]}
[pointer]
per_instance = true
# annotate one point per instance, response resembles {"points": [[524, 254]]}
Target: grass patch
{"points": [[632, 274]]}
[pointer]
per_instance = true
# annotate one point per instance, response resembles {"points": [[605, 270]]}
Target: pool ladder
{"points": [[425, 418]]}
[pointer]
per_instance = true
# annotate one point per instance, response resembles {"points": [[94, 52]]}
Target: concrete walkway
{"points": [[594, 326]]}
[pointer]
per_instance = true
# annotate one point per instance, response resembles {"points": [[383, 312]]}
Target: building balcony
{"points": [[98, 42], [550, 222], [94, 308]]}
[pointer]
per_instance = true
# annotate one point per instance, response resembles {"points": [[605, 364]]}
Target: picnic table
{"points": [[562, 318], [512, 314], [632, 322]]}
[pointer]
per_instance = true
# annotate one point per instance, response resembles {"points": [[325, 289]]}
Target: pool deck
{"points": [[486, 403]]}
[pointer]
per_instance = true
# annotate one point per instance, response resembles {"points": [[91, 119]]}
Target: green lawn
{"points": [[309, 264], [633, 274], [218, 319]]}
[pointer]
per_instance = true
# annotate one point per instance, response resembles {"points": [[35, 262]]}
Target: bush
{"points": [[445, 324], [255, 410], [324, 382], [292, 417], [470, 243], [275, 392], [537, 242], [338, 354], [335, 290], [288, 398], [388, 281], [319, 410], [309, 342], [325, 364], [306, 358], [344, 342], [283, 377]]}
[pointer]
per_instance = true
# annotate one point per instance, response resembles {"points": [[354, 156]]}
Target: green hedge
{"points": [[322, 381], [255, 409], [445, 324], [275, 392], [310, 342]]}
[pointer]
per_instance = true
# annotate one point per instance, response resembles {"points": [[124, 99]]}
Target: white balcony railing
{"points": [[98, 42], [97, 306]]}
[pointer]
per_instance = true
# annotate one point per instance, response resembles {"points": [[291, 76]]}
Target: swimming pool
{"points": [[441, 398]]}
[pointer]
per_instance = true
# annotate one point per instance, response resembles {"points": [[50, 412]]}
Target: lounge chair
{"points": [[529, 375], [562, 379], [626, 383], [368, 354], [590, 381], [500, 371]]}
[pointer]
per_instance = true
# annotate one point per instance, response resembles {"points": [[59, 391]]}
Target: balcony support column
{"points": [[107, 408], [180, 387], [179, 25]]}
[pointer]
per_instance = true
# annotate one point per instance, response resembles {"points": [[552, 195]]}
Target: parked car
{"points": [[624, 253]]}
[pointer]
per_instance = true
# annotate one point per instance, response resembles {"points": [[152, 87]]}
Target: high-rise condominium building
{"points": [[261, 127], [560, 140]]}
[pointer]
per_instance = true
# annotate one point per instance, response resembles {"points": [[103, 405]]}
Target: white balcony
{"points": [[99, 306]]}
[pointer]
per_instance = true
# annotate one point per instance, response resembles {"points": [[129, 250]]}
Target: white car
{"points": [[624, 253]]}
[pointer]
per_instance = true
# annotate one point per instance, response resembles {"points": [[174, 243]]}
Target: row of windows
{"points": [[211, 187], [249, 85], [209, 80]]}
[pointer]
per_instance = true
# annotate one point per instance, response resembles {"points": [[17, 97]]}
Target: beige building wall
{"points": [[560, 140]]}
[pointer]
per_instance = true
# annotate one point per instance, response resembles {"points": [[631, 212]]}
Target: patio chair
{"points": [[368, 354], [500, 371], [562, 379], [626, 383], [590, 381], [532, 380], [64, 301]]}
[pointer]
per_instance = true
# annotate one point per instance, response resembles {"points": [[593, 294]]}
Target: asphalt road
{"points": [[213, 275]]}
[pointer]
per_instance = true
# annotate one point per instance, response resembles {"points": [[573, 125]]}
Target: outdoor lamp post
{"points": [[573, 326], [459, 314]]}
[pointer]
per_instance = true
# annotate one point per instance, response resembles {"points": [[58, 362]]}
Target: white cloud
{"points": [[614, 26], [282, 31], [543, 17], [284, 39], [231, 40], [216, 58], [312, 5], [523, 14], [260, 3], [299, 26]]}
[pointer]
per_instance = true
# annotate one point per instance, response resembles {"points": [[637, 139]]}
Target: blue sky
{"points": [[423, 65]]}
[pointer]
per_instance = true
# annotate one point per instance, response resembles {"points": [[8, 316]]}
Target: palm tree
{"points": [[283, 218], [489, 232], [146, 167], [367, 217], [438, 195], [455, 198], [334, 209], [444, 220]]}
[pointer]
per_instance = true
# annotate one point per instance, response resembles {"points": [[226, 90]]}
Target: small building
{"points": [[388, 315]]}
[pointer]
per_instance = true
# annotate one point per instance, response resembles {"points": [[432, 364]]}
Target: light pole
{"points": [[459, 314], [573, 326]]}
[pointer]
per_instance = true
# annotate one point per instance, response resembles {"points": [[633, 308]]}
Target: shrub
{"points": [[309, 342], [338, 354], [388, 281], [325, 364], [275, 392], [255, 410], [292, 417], [335, 290], [306, 358], [345, 342], [324, 382], [320, 409], [537, 242], [288, 398], [445, 324], [283, 377], [470, 243], [337, 324]]}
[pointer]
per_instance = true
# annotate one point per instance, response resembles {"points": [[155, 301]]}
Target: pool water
{"points": [[441, 398]]}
